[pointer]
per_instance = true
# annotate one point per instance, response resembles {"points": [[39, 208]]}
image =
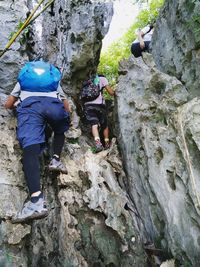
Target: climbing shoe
{"points": [[31, 211], [57, 166], [98, 146]]}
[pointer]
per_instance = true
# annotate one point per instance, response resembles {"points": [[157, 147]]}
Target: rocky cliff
{"points": [[176, 42], [159, 131], [91, 220], [159, 138], [111, 206]]}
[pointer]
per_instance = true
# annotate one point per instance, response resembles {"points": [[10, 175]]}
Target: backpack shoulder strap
{"points": [[150, 28]]}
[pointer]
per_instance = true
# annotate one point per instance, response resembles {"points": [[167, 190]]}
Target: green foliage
{"points": [[6, 259], [72, 140], [120, 49], [149, 15], [24, 35], [189, 265]]}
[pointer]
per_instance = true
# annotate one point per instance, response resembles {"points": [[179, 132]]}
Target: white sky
{"points": [[124, 14]]}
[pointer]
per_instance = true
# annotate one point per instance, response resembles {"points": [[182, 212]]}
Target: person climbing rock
{"points": [[95, 108], [142, 43], [39, 100]]}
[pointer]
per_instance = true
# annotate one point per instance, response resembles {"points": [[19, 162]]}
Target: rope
{"points": [[29, 20], [191, 174]]}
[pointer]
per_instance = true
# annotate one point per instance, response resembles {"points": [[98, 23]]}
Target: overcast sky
{"points": [[124, 14]]}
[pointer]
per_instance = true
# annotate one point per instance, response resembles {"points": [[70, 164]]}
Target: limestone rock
{"points": [[156, 120], [176, 42]]}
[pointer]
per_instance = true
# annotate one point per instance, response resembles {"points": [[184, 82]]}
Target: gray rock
{"points": [[158, 135], [176, 42], [89, 222]]}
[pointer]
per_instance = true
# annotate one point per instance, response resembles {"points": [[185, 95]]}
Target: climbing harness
{"points": [[191, 174], [29, 20]]}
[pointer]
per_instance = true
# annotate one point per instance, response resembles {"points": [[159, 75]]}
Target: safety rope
{"points": [[29, 20], [191, 174]]}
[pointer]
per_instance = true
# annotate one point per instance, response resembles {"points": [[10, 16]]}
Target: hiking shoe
{"points": [[98, 146], [107, 145], [31, 211], [57, 165]]}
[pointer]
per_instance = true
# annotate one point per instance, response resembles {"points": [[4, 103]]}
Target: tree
{"points": [[120, 49]]}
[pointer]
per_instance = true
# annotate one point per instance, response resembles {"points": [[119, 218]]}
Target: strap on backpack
{"points": [[150, 28]]}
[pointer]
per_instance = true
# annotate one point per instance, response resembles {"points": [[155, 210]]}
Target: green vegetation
{"points": [[6, 259], [24, 35], [120, 49], [189, 265]]}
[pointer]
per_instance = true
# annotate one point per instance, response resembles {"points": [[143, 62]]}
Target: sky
{"points": [[124, 14]]}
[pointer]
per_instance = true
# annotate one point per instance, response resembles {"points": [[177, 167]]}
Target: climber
{"points": [[142, 43], [39, 99], [95, 109]]}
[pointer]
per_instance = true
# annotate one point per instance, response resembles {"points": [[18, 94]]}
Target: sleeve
{"points": [[104, 82], [16, 91], [61, 93], [145, 29]]}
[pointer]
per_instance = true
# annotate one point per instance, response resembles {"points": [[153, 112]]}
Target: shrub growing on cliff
{"points": [[120, 49]]}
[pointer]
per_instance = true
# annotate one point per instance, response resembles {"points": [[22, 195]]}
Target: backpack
{"points": [[39, 76], [90, 89]]}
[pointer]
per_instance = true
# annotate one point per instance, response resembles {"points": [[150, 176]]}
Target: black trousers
{"points": [[31, 163], [136, 49]]}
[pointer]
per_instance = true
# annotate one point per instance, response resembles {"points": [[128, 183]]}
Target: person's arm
{"points": [[10, 101], [66, 105], [141, 40], [104, 84], [63, 99], [109, 90], [13, 97]]}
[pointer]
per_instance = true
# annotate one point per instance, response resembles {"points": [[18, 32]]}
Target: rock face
{"points": [[72, 37], [91, 217], [176, 42], [91, 220], [159, 139], [101, 215], [11, 61], [68, 34]]}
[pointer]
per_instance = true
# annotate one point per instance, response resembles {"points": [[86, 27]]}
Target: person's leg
{"points": [[30, 134], [36, 207], [104, 124], [95, 133], [31, 167], [106, 133], [55, 163], [106, 138], [59, 121], [147, 46], [136, 50], [48, 134], [92, 117], [58, 143]]}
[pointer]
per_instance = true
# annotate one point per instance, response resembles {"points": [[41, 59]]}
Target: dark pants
{"points": [[31, 164], [33, 114], [96, 115], [136, 49]]}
